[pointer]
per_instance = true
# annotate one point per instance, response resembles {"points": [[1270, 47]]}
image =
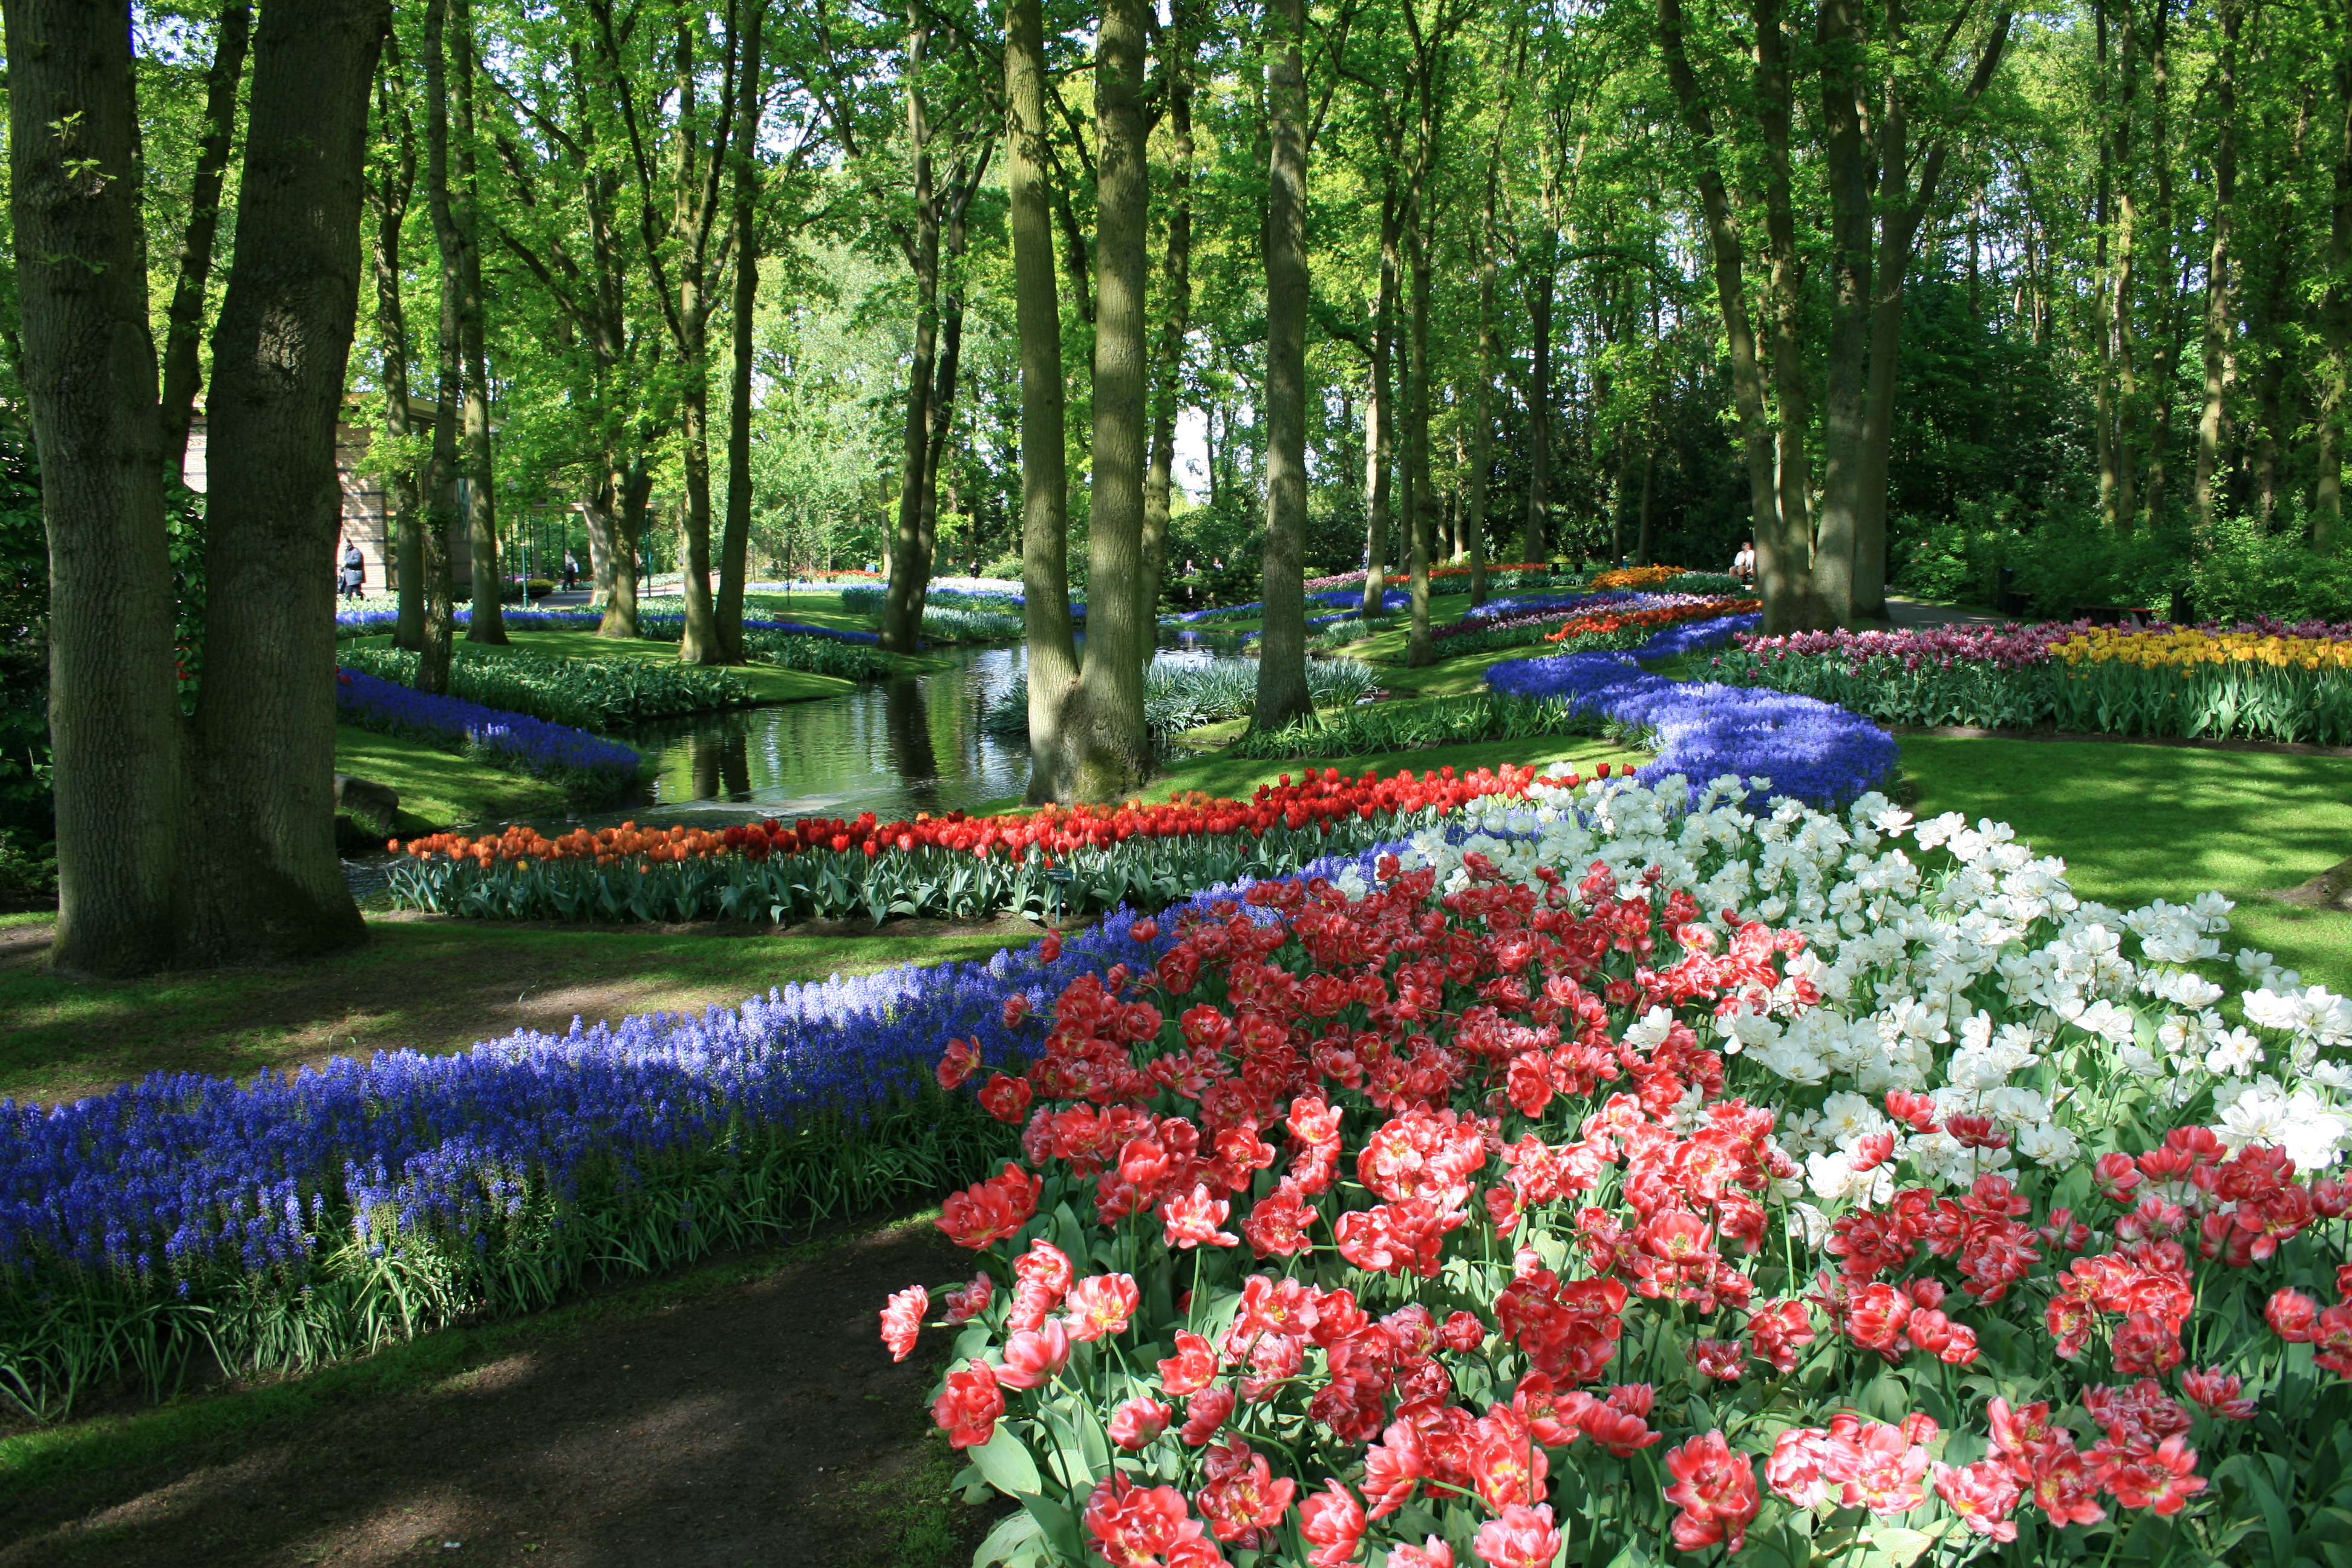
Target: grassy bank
{"points": [[766, 681], [422, 985], [2138, 823], [441, 789]]}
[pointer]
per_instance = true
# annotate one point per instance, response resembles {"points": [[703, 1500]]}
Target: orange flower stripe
{"points": [[1618, 621], [1316, 800], [1636, 577]]}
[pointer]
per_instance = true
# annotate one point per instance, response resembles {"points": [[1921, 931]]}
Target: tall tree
{"points": [[1111, 752], [1044, 490], [488, 622], [2221, 313], [263, 879], [183, 331], [734, 547], [88, 365], [391, 185], [2336, 316], [1282, 694], [1180, 43], [441, 514]]}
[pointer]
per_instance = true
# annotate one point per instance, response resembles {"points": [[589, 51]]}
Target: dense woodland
{"points": [[2052, 308]]}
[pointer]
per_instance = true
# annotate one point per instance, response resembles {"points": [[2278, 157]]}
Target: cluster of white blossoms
{"points": [[1960, 967]]}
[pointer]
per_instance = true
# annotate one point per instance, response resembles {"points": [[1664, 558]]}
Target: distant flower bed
{"points": [[590, 693], [1056, 861], [1512, 569], [1590, 621], [515, 741], [1807, 750], [2264, 681]]}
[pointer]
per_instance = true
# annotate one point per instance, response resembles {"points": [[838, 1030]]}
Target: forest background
{"points": [[2049, 308]]}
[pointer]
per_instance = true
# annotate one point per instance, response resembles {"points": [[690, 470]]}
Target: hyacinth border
{"points": [[539, 746], [1801, 747]]}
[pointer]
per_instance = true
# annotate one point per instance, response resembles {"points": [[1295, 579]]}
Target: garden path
{"points": [[760, 1423]]}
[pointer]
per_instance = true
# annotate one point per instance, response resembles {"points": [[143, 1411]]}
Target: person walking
{"points": [[355, 570], [570, 572], [1743, 565]]}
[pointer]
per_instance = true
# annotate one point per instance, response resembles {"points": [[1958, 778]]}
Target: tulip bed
{"points": [[1057, 862], [1513, 571], [1588, 624], [1648, 1171], [2263, 682]]}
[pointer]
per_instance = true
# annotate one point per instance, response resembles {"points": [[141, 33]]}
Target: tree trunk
{"points": [[1380, 414], [949, 360], [88, 365], [1179, 45], [1649, 488], [488, 621], [696, 205], [1111, 751], [1784, 550], [1901, 214], [1421, 649], [735, 544], [2334, 319], [2221, 314], [184, 322], [1281, 693], [1729, 256], [388, 193], [1044, 486], [442, 516], [1481, 414], [1535, 540], [1838, 36], [262, 881], [901, 618], [633, 487]]}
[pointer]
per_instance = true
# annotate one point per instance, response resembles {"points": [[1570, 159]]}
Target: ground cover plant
{"points": [[1184, 696], [590, 694], [2262, 680], [1831, 1185], [581, 761], [1415, 726], [1055, 863]]}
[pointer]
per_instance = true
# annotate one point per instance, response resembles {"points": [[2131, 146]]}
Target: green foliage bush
{"points": [[818, 656], [1180, 697], [592, 694], [1383, 727]]}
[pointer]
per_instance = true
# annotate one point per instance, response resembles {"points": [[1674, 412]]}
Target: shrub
{"points": [[593, 694]]}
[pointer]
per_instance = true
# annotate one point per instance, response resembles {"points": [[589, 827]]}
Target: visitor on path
{"points": [[1743, 565], [354, 574], [570, 572]]}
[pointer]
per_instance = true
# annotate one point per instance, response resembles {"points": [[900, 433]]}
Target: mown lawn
{"points": [[420, 983]]}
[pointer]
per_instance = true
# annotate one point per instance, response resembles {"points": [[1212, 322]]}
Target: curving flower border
{"points": [[1797, 746]]}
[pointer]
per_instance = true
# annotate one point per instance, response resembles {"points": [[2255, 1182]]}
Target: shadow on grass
{"points": [[424, 984], [709, 1419]]}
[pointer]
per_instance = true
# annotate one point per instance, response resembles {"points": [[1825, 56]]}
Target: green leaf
{"points": [[1013, 1542], [1004, 1460]]}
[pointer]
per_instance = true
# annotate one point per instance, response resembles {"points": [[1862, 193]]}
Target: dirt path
{"points": [[759, 1423]]}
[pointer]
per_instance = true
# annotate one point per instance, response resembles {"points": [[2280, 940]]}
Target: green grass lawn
{"points": [[420, 983], [766, 681], [2138, 823], [438, 788]]}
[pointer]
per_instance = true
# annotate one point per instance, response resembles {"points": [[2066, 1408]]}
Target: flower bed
{"points": [[1809, 750], [1342, 579], [593, 694], [1056, 862], [1592, 622], [513, 740], [1653, 1173], [2261, 681]]}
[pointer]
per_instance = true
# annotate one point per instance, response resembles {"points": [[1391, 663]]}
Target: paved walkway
{"points": [[1910, 616]]}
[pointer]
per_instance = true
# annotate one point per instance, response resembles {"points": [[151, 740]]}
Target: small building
{"points": [[366, 520]]}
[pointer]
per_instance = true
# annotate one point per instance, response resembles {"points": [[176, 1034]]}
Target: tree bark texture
{"points": [[901, 613], [185, 321], [1535, 539], [1111, 748], [88, 363], [390, 189], [1379, 416], [443, 518], [263, 880], [1837, 37], [1179, 46], [735, 542], [1045, 484], [1281, 693], [488, 624], [2221, 314]]}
